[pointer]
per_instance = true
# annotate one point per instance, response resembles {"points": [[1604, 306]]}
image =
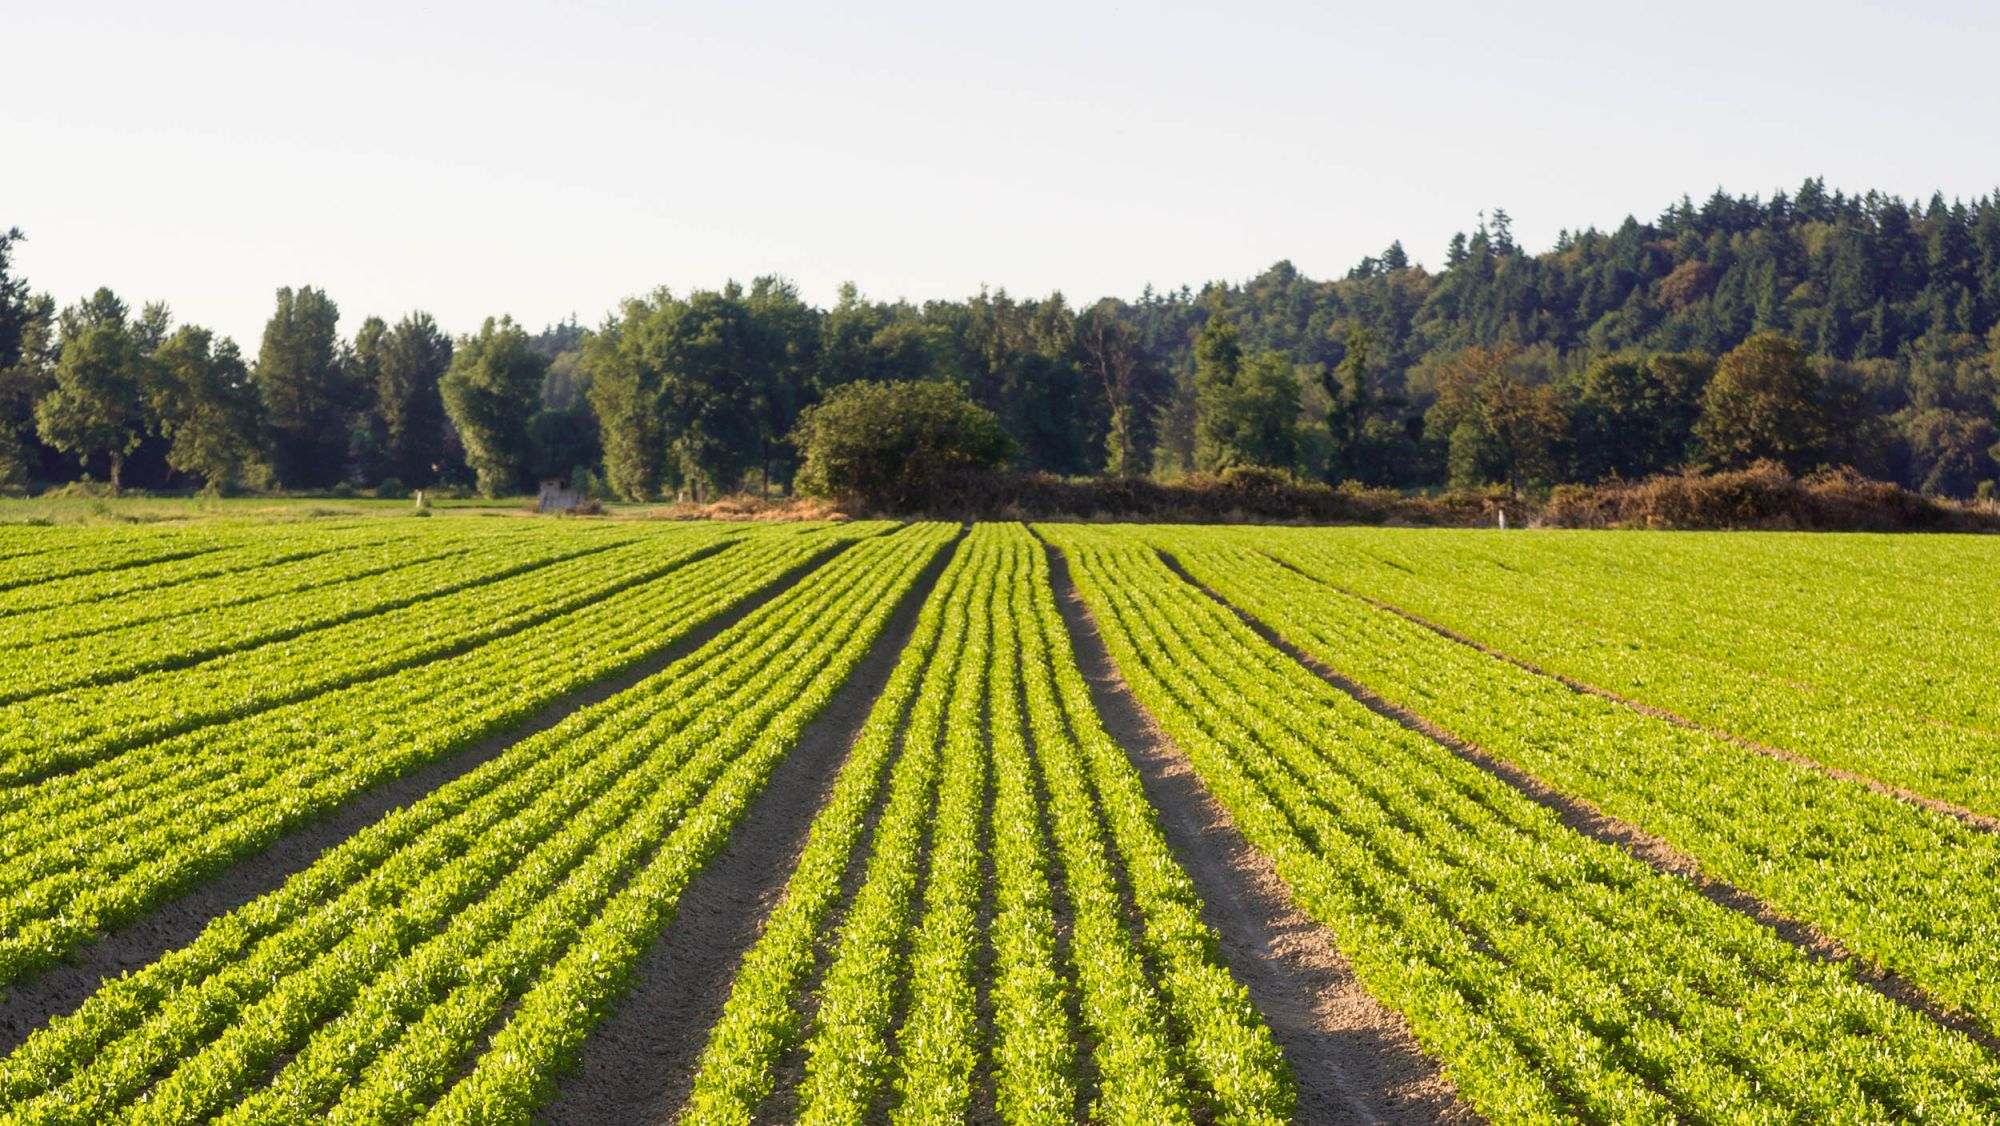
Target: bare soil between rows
{"points": [[1584, 817], [1353, 1059], [30, 1004], [638, 1066], [1983, 822]]}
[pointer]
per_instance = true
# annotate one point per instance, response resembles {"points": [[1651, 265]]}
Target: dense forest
{"points": [[1814, 328]]}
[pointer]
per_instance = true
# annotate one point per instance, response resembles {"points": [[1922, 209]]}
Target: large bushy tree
{"points": [[624, 364], [1635, 413], [893, 446], [1499, 424], [1247, 406], [1763, 403], [408, 367], [27, 362], [207, 407], [97, 406], [490, 390], [308, 399]]}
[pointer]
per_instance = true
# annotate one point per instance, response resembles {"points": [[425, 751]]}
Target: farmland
{"points": [[474, 819]]}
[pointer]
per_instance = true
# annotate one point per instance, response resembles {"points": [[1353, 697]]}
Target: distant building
{"points": [[557, 496]]}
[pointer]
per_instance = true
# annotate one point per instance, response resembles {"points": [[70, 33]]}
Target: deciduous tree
{"points": [[97, 405], [894, 445], [1764, 402], [208, 408], [1497, 422], [308, 400], [491, 388]]}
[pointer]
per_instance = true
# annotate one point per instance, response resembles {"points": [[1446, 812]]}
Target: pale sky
{"points": [[544, 159]]}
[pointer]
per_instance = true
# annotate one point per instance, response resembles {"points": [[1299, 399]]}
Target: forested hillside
{"points": [[1814, 327]]}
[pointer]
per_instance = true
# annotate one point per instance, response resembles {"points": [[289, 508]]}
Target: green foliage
{"points": [[692, 393], [403, 368], [489, 392], [14, 300], [1349, 405], [561, 441], [1500, 424], [208, 408], [623, 365], [23, 382], [1895, 304], [97, 404], [308, 396], [1952, 452], [1246, 407], [1635, 413], [893, 445], [1764, 402]]}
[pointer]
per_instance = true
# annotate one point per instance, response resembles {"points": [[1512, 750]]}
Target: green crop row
{"points": [[760, 1021], [223, 552], [367, 986], [1907, 888], [517, 1068], [848, 1048], [980, 744], [99, 847], [178, 641], [1226, 1044], [1778, 670], [343, 557], [64, 553], [1553, 976], [44, 736]]}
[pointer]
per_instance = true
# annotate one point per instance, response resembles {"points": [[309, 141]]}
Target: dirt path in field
{"points": [[639, 1064], [29, 1004], [1983, 822], [1353, 1059], [1586, 818]]}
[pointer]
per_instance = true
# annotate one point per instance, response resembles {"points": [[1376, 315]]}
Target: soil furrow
{"points": [[31, 1003], [639, 1064], [1586, 818], [1983, 822], [1352, 1058]]}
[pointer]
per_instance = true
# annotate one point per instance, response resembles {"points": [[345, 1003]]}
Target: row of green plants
{"points": [[450, 957], [761, 1019], [851, 1047], [1806, 655], [1901, 886], [222, 552], [42, 736], [985, 744], [340, 555], [100, 846], [1225, 1043], [44, 555], [393, 578], [1555, 977]]}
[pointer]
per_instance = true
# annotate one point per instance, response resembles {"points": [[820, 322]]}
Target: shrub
{"points": [[896, 446]]}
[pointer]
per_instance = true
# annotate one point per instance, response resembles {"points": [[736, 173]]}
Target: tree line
{"points": [[1814, 328]]}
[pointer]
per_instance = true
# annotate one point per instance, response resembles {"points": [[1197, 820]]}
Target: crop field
{"points": [[477, 819]]}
